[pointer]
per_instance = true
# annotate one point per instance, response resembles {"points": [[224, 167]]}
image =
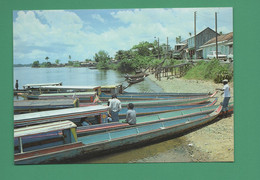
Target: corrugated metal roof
{"points": [[223, 37]]}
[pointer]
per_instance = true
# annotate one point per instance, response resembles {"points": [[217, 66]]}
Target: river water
{"points": [[173, 150]]}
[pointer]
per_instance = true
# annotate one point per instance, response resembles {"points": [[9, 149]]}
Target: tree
{"points": [[36, 64], [143, 48], [47, 58], [70, 63], [101, 56], [57, 61]]}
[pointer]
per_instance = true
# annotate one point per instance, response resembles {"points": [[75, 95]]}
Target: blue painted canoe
{"points": [[165, 94], [96, 114], [26, 106], [99, 143], [82, 96], [84, 130], [168, 102], [152, 96], [142, 111]]}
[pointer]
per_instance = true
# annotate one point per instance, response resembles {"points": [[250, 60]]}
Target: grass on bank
{"points": [[211, 70]]}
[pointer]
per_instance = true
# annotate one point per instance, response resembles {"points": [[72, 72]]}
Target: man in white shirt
{"points": [[115, 107], [226, 95]]}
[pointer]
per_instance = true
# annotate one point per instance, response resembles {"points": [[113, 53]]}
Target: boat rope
{"points": [[137, 130], [109, 135]]}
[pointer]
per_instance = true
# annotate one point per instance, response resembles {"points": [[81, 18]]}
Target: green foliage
{"points": [[125, 65], [76, 64], [57, 61], [120, 55], [102, 56], [143, 48], [87, 60], [70, 63], [212, 70], [36, 64], [46, 64]]}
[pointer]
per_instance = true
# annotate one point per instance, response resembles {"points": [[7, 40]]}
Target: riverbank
{"points": [[212, 143]]}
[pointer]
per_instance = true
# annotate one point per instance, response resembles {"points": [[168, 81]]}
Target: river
{"points": [[173, 150]]}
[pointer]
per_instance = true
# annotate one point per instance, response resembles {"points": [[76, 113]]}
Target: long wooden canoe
{"points": [[82, 96], [142, 111], [26, 106], [96, 114], [109, 141], [165, 94], [155, 96], [168, 102], [84, 130]]}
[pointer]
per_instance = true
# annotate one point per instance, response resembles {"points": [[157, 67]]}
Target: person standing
{"points": [[131, 114], [115, 107], [226, 95], [16, 85]]}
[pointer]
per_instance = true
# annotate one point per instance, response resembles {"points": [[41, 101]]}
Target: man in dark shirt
{"points": [[131, 114]]}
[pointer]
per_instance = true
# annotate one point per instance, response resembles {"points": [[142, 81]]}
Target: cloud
{"points": [[59, 33], [98, 17]]}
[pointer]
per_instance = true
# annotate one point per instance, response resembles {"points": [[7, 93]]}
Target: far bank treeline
{"points": [[140, 56], [143, 56]]}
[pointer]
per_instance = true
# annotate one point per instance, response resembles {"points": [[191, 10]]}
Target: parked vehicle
{"points": [[230, 57], [213, 55]]}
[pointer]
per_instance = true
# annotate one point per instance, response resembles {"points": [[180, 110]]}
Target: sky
{"points": [[58, 34]]}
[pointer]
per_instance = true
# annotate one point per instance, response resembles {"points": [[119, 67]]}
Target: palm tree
{"points": [[47, 58]]}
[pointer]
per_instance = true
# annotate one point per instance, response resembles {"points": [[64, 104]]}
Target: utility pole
{"points": [[167, 48], [158, 49], [195, 52], [216, 29]]}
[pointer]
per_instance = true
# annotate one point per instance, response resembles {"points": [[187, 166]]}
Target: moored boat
{"points": [[139, 75], [135, 80], [82, 96], [125, 93], [84, 130], [95, 114], [169, 102], [26, 106], [151, 96], [86, 146]]}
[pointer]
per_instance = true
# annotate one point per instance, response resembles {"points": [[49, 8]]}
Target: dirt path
{"points": [[211, 143]]}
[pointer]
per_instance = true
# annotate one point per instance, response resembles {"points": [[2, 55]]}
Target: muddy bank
{"points": [[211, 143]]}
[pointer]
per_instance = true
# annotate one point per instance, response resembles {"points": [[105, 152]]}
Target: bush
{"points": [[212, 70]]}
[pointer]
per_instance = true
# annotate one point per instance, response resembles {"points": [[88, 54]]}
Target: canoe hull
{"points": [[116, 140]]}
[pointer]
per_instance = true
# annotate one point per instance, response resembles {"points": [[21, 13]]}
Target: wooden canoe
{"points": [[96, 144], [26, 106]]}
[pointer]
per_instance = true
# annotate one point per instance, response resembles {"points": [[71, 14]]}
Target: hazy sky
{"points": [[82, 33]]}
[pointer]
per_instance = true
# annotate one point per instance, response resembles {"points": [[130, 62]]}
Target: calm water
{"points": [[78, 77], [173, 150]]}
